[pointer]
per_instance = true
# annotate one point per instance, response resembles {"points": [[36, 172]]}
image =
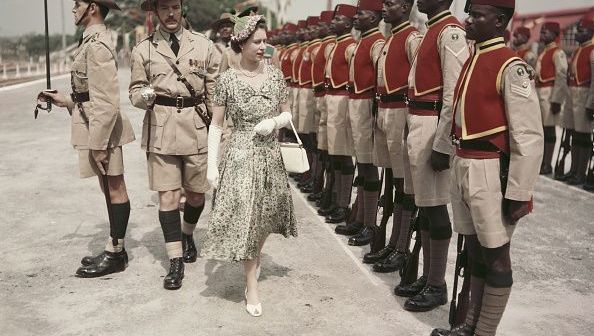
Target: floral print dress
{"points": [[253, 199]]}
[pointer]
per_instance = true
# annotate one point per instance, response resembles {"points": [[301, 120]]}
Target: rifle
{"points": [[410, 269], [459, 304], [48, 82], [589, 183], [561, 156], [379, 233]]}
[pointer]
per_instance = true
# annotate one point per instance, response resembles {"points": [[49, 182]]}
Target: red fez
{"points": [[301, 24], [327, 16], [312, 20], [290, 27], [346, 10], [522, 31], [496, 3], [552, 26], [374, 5], [587, 23]]}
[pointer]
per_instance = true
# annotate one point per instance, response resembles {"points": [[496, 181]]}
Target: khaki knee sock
{"points": [[438, 258], [425, 243], [477, 288], [492, 308]]}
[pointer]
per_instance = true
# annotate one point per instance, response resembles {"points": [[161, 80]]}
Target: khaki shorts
{"points": [[476, 202], [171, 172], [575, 107], [322, 130], [387, 142], [361, 124], [88, 167], [340, 140], [548, 119], [430, 188], [307, 112]]}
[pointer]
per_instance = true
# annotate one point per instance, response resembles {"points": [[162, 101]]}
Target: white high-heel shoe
{"points": [[254, 310]]}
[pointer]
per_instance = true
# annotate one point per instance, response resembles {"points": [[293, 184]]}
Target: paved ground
{"points": [[311, 285]]}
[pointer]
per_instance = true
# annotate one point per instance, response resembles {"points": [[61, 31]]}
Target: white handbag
{"points": [[294, 155]]}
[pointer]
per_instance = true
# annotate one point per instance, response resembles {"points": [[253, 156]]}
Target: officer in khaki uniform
{"points": [[432, 79], [497, 131], [551, 86], [99, 129], [393, 68], [174, 130]]}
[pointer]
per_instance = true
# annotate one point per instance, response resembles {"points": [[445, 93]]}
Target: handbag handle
{"points": [[296, 135]]}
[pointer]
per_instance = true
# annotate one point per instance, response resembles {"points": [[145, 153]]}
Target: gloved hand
{"points": [[439, 161], [555, 108], [267, 126], [590, 114], [214, 140], [148, 94], [515, 210]]}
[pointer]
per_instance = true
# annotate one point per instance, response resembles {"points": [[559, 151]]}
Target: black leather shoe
{"points": [[588, 187], [173, 279], [304, 182], [394, 262], [338, 216], [363, 238], [461, 330], [349, 229], [412, 289], [428, 299], [107, 264], [546, 170], [564, 177], [91, 260], [326, 211], [307, 189], [575, 180], [314, 197], [189, 248], [371, 258]]}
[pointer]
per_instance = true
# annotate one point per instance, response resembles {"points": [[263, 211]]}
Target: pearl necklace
{"points": [[251, 74]]}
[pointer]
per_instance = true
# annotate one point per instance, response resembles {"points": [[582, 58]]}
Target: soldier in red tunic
{"points": [[498, 136], [393, 69], [319, 55], [340, 146], [361, 89], [432, 79], [579, 100], [551, 84], [522, 47]]}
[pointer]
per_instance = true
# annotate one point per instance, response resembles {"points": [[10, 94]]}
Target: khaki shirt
{"points": [[560, 88], [412, 43], [94, 70], [590, 100], [453, 51], [173, 131]]}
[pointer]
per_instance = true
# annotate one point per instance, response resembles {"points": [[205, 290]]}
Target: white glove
{"points": [[148, 94], [267, 126], [214, 141]]}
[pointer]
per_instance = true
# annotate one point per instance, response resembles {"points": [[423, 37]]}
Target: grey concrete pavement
{"points": [[311, 285]]}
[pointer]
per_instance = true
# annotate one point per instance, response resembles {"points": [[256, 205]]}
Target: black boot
{"points": [[461, 330], [91, 260], [371, 258], [314, 197], [326, 211], [189, 248], [349, 229], [173, 279], [428, 299], [338, 216], [307, 188], [412, 289], [394, 262], [363, 238], [107, 264]]}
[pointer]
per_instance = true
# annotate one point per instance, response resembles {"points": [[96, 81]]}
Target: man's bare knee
{"points": [[169, 200], [195, 199]]}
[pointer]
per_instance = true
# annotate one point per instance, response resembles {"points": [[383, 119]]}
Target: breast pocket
{"points": [[79, 76], [152, 131]]}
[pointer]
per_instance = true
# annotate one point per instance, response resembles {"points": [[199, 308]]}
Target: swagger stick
{"points": [[48, 80]]}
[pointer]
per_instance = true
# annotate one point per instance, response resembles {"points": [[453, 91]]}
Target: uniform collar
{"points": [[551, 45], [369, 32], [587, 43], [167, 35], [343, 37], [94, 29], [400, 27], [490, 43], [438, 17], [329, 37]]}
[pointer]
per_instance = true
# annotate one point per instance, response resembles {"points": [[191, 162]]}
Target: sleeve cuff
{"points": [[518, 194]]}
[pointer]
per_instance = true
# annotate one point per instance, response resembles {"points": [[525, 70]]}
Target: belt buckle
{"points": [[435, 105], [179, 102], [406, 100], [456, 142], [378, 97]]}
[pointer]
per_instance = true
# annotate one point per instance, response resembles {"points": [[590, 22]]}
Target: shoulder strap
{"points": [[180, 76]]}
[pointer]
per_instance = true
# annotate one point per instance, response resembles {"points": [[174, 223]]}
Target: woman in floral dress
{"points": [[253, 196]]}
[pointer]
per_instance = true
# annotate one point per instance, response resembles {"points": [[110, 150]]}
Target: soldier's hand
{"points": [[101, 159], [57, 98], [515, 210], [590, 114], [555, 108], [439, 161]]}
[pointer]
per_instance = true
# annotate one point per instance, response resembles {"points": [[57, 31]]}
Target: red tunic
{"points": [[363, 63], [397, 66], [581, 69], [546, 76], [286, 64], [306, 65], [478, 97], [428, 73], [297, 63], [339, 68], [318, 70]]}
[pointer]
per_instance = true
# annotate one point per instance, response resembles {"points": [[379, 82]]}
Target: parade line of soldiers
{"points": [[451, 116]]}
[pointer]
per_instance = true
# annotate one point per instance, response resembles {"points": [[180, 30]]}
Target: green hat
{"points": [[244, 26]]}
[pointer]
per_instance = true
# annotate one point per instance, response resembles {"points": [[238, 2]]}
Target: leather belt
{"points": [[179, 101], [319, 89], [80, 97], [476, 145], [425, 105], [391, 98]]}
